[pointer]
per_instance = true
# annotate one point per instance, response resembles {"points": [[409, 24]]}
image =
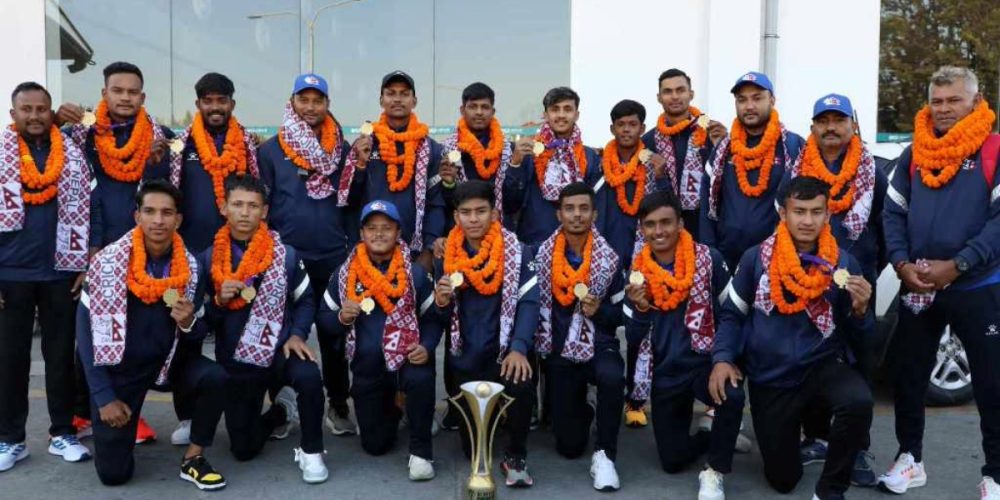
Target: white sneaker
{"points": [[905, 473], [69, 448], [11, 453], [287, 398], [182, 434], [340, 424], [602, 469], [710, 485], [420, 469], [988, 489], [313, 469]]}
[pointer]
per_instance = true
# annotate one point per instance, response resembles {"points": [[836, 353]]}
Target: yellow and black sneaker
{"points": [[198, 471], [635, 415]]}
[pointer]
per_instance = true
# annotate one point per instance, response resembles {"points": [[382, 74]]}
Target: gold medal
{"points": [[840, 277], [88, 119], [538, 149], [704, 121], [455, 157], [645, 155], [367, 128], [367, 305], [171, 296], [177, 146], [636, 278], [248, 293], [456, 279], [580, 290]]}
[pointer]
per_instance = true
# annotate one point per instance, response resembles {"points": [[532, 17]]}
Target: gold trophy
{"points": [[486, 401]]}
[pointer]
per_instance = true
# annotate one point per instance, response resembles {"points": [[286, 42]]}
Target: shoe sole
{"points": [[202, 487], [916, 483], [316, 481], [814, 461], [607, 489], [420, 479], [335, 431], [16, 460], [55, 452], [712, 497]]}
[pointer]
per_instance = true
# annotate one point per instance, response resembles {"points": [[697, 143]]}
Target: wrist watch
{"points": [[961, 264]]}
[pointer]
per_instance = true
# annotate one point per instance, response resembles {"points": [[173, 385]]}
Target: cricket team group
{"points": [[739, 262]]}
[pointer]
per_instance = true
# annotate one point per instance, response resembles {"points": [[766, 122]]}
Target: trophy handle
{"points": [[507, 401], [468, 425]]}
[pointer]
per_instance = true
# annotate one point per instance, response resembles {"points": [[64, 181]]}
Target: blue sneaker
{"points": [[863, 473], [12, 453], [812, 451]]}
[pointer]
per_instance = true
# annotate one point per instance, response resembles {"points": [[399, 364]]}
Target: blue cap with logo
{"points": [[833, 102], [380, 207], [311, 81], [753, 78]]}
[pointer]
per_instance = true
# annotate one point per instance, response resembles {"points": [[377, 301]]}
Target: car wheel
{"points": [[951, 378]]}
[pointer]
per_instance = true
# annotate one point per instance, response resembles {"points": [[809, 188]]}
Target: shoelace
{"points": [[5, 447], [69, 440]]}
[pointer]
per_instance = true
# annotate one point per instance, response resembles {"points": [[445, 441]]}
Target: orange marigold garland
{"points": [[218, 166], [147, 288], [257, 258], [328, 138], [542, 161], [940, 158], [788, 275], [618, 175], [44, 184], [700, 134], [486, 160], [124, 164], [841, 199], [668, 289], [760, 156], [564, 277], [383, 288], [387, 139], [484, 269]]}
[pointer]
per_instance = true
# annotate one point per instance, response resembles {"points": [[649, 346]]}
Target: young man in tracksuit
{"points": [[301, 167], [835, 153], [43, 251], [129, 324], [382, 305], [942, 231], [581, 291], [670, 314], [738, 193], [492, 313], [785, 322], [261, 342]]}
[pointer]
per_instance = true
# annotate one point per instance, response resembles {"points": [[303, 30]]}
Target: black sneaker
{"points": [[197, 470], [516, 470]]}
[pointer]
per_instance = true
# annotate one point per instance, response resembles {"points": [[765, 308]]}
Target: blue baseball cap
{"points": [[311, 81], [380, 207], [753, 78], [833, 102]]}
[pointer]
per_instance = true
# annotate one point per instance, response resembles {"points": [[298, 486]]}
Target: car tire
{"points": [[951, 379]]}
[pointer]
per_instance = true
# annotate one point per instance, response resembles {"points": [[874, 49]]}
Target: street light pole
{"points": [[310, 25]]}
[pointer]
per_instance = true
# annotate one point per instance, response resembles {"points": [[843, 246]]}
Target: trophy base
{"points": [[480, 488]]}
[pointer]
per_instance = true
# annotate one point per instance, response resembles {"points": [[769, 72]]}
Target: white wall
{"points": [[23, 22]]}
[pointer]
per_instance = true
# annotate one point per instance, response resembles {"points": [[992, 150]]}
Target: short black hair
{"points": [[628, 107], [474, 189], [28, 87], [158, 186], [560, 94], [214, 83], [247, 183], [805, 188], [576, 189], [672, 73], [122, 67], [658, 199], [476, 91]]}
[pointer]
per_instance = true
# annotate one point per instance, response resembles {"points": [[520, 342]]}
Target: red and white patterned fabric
{"points": [[918, 302], [401, 326], [508, 297], [716, 168], [108, 302], [579, 346], [819, 310], [699, 319], [267, 313], [562, 169], [73, 199], [690, 182], [451, 144], [864, 192], [419, 186], [299, 136], [177, 159]]}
